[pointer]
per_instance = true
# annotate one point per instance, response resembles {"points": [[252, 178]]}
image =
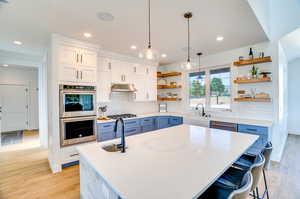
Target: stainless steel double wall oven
{"points": [[77, 114]]}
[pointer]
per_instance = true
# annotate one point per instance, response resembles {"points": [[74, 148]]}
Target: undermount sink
{"points": [[111, 148]]}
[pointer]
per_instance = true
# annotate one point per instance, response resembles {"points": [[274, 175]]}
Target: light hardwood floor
{"points": [[26, 175]]}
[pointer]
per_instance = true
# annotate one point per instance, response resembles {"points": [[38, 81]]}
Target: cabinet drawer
{"points": [[103, 136], [256, 130], [147, 121], [163, 122], [130, 131], [148, 128], [175, 121], [131, 123], [105, 127]]}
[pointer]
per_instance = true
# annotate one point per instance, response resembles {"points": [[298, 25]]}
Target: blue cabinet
{"points": [[174, 121], [105, 131], [261, 131], [163, 122]]}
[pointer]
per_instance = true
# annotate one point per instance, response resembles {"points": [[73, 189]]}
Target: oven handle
{"points": [[74, 119]]}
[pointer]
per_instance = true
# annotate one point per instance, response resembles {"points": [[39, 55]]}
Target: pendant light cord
{"points": [[149, 24], [188, 40]]}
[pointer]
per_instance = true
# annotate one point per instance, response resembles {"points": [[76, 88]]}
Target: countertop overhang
{"points": [[177, 162]]}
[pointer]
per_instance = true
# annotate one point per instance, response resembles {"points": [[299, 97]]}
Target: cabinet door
{"points": [[152, 83], [139, 69], [68, 56], [104, 87], [88, 75], [128, 71], [88, 58], [117, 75], [105, 65], [140, 85], [69, 74], [67, 60]]}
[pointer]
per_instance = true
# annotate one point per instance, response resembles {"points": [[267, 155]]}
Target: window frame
{"points": [[207, 104]]}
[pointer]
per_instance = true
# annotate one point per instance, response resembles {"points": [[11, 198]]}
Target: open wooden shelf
{"points": [[253, 61], [168, 99], [168, 86], [255, 80], [252, 99], [171, 74]]}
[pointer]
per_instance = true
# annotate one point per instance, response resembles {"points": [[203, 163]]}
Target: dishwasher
{"points": [[223, 126]]}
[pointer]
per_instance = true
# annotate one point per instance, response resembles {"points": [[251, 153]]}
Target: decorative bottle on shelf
{"points": [[251, 54]]}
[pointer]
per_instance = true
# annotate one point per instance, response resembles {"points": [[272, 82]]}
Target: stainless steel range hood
{"points": [[123, 88]]}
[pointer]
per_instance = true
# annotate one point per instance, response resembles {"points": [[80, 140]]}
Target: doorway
{"points": [[19, 108]]}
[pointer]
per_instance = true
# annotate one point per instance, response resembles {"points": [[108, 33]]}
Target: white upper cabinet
{"points": [[88, 58], [77, 64], [105, 65]]}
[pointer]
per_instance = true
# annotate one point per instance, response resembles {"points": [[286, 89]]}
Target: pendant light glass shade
{"points": [[149, 53], [188, 65]]}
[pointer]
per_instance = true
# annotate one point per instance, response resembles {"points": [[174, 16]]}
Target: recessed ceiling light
{"points": [[133, 47], [5, 65], [87, 35], [163, 55], [105, 16], [18, 43], [220, 38]]}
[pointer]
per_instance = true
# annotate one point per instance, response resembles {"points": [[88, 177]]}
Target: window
{"points": [[197, 88], [220, 88], [212, 90]]}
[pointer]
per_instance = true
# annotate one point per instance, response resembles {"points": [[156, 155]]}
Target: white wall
{"points": [[263, 111], [261, 9], [294, 96], [29, 78]]}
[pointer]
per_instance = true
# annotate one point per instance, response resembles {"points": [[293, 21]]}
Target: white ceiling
{"points": [[291, 45], [32, 21]]}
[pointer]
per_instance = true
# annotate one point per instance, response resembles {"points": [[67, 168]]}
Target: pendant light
{"points": [[199, 68], [149, 53], [187, 65]]}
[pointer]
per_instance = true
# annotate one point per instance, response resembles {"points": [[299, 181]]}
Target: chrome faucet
{"points": [[121, 146], [203, 111]]}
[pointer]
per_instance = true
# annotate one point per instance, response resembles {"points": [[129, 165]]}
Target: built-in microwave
{"points": [[76, 101], [77, 130]]}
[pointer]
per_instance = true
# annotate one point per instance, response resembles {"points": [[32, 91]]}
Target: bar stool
{"points": [[229, 179], [267, 154], [220, 191]]}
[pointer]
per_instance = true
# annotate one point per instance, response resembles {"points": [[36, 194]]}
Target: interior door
{"points": [[14, 107]]}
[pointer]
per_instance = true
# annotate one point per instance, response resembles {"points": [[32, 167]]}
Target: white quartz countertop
{"points": [[221, 119], [180, 162]]}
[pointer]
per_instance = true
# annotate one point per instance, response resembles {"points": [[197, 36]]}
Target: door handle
{"points": [[77, 59], [81, 75], [77, 74], [109, 66], [81, 58]]}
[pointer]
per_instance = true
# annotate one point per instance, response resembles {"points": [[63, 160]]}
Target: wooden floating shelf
{"points": [[255, 80], [252, 99], [168, 99], [253, 61], [172, 74], [168, 86]]}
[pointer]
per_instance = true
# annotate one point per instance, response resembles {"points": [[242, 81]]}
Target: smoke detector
{"points": [[105, 16]]}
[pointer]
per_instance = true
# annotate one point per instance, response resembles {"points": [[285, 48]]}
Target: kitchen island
{"points": [[180, 162]]}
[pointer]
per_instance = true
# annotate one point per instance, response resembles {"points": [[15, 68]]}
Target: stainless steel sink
{"points": [[111, 148]]}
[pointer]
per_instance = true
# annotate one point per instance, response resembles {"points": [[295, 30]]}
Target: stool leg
{"points": [[266, 185], [257, 193], [254, 195]]}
